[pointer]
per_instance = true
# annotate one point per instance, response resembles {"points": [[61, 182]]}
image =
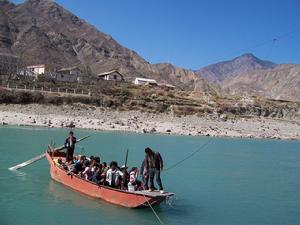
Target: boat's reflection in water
{"points": [[66, 196]]}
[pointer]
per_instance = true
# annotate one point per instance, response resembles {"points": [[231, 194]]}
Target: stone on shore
{"points": [[105, 119]]}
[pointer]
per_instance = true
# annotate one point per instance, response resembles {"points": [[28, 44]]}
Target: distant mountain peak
{"points": [[39, 1], [247, 55], [221, 71]]}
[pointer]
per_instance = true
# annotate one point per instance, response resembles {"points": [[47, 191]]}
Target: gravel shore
{"points": [[89, 117]]}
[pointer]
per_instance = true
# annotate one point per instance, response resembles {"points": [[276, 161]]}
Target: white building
{"points": [[144, 81], [37, 69], [114, 75]]}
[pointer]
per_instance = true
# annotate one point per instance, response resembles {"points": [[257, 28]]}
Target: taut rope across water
{"points": [[173, 166], [190, 155]]}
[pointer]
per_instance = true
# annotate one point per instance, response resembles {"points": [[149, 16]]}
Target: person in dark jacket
{"points": [[124, 178], [145, 175], [154, 165], [70, 146]]}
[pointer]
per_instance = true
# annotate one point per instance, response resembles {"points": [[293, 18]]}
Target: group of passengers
{"points": [[92, 169]]}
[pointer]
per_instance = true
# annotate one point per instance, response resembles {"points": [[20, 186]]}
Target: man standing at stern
{"points": [[70, 146], [154, 165]]}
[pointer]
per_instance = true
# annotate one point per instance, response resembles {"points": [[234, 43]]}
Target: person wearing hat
{"points": [[154, 165], [70, 146]]}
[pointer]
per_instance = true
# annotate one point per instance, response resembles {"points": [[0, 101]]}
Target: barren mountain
{"points": [[216, 73], [5, 32], [250, 75], [281, 82], [41, 31]]}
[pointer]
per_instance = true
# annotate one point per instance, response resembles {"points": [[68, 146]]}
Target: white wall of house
{"points": [[143, 81], [40, 70], [115, 77], [37, 69]]}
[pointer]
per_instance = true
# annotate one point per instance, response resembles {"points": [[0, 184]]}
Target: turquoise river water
{"points": [[230, 182]]}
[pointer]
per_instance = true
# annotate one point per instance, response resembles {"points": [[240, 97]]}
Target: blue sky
{"points": [[193, 34]]}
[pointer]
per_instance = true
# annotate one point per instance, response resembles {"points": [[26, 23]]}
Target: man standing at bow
{"points": [[154, 165]]}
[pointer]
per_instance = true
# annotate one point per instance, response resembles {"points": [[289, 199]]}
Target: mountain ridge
{"points": [[47, 33], [249, 75], [42, 31], [281, 82], [218, 72]]}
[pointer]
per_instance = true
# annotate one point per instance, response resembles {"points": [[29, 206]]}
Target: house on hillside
{"points": [[144, 81], [70, 74], [113, 75], [36, 70], [26, 73]]}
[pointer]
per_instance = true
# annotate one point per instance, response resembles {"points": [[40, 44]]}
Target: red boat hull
{"points": [[115, 196]]}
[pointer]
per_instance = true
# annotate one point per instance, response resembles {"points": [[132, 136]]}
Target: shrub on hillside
{"points": [[55, 100], [6, 96], [20, 97]]}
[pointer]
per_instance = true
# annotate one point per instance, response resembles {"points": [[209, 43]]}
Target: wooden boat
{"points": [[135, 199]]}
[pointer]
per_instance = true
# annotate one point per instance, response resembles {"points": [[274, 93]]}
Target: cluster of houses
{"points": [[70, 74], [115, 75], [74, 74]]}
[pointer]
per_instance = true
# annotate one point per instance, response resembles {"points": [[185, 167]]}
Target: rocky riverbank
{"points": [[97, 118]]}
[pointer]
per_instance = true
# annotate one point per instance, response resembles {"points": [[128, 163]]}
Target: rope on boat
{"points": [[158, 218], [189, 156]]}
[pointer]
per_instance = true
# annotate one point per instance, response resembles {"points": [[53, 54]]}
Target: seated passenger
{"points": [[78, 166], [97, 178], [125, 178], [58, 161], [77, 158], [87, 173], [95, 164], [113, 175], [133, 181], [91, 158], [104, 170], [97, 159]]}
